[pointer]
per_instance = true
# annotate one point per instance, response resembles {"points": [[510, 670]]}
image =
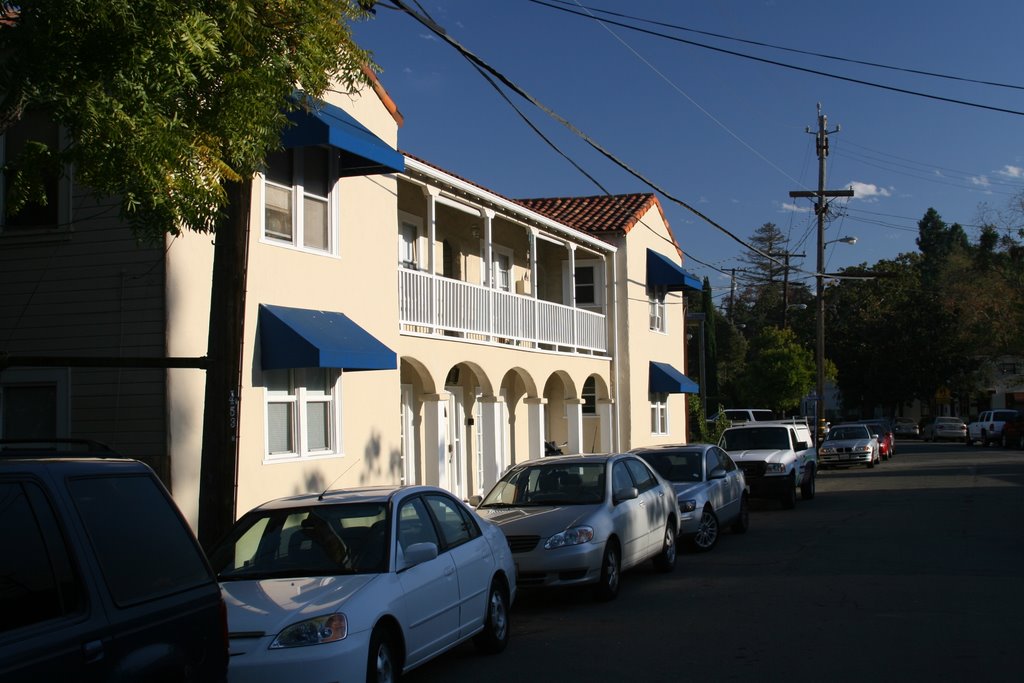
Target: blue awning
{"points": [[665, 379], [321, 123], [664, 272], [301, 338]]}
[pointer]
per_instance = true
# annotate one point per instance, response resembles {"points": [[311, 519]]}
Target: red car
{"points": [[1013, 432], [886, 439]]}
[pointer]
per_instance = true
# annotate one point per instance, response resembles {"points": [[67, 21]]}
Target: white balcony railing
{"points": [[441, 305]]}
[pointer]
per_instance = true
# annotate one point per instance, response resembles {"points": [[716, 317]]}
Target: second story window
{"points": [[49, 210], [656, 302], [296, 197]]}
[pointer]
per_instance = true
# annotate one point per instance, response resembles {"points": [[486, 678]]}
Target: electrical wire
{"points": [[758, 43], [793, 67]]}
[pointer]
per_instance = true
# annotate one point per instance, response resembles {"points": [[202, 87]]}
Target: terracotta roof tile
{"points": [[600, 213]]}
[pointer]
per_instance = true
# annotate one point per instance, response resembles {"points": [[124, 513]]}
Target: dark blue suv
{"points": [[101, 578]]}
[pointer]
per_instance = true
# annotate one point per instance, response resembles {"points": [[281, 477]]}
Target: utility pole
{"points": [[820, 209]]}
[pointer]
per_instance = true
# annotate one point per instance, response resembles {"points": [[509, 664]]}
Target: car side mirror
{"points": [[418, 553], [474, 501], [628, 493], [717, 473], [802, 445]]}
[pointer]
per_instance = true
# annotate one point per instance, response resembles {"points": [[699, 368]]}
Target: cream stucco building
{"points": [[402, 324]]}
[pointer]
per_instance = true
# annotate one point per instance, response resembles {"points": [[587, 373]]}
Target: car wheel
{"points": [[383, 665], [665, 561], [788, 498], [608, 585], [984, 440], [742, 522], [808, 490], [707, 531], [494, 637]]}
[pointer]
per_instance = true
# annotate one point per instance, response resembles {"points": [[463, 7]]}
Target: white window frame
{"points": [[298, 195], [55, 377], [419, 244], [64, 213], [497, 272], [597, 266], [299, 397], [658, 311], [659, 414]]}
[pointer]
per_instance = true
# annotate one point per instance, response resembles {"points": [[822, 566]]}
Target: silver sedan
{"points": [[583, 519], [712, 491]]}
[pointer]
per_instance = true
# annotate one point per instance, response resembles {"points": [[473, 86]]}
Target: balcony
{"points": [[436, 305]]}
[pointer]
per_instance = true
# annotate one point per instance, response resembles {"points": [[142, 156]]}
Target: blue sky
{"points": [[722, 133]]}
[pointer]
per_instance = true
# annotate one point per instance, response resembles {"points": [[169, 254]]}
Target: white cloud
{"points": [[1015, 172], [428, 36], [980, 181], [795, 208], [869, 191]]}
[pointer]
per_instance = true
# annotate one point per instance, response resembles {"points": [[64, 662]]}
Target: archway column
{"points": [[492, 441], [574, 425], [435, 439], [535, 417], [604, 414]]}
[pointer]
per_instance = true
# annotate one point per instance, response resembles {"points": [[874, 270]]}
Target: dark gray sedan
{"points": [[583, 519], [712, 491]]}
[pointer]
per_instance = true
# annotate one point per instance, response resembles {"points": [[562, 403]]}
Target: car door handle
{"points": [[449, 570], [92, 651]]}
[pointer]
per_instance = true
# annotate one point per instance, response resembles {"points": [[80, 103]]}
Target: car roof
{"points": [[363, 494], [563, 459], [665, 448]]}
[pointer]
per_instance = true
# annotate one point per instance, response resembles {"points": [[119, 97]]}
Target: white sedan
{"points": [[361, 585], [849, 444]]}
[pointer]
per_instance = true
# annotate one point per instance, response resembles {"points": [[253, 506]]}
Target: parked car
{"points": [[906, 427], [573, 520], [849, 444], [711, 490], [943, 429], [776, 458], [101, 578], [988, 428], [884, 434], [1013, 432], [742, 415], [361, 585]]}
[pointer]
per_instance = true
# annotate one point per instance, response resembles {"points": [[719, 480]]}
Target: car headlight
{"points": [[775, 468], [325, 629], [828, 451], [687, 505], [574, 536], [862, 449]]}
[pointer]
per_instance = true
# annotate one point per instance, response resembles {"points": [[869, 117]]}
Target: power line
{"points": [[757, 43], [793, 67], [441, 33]]}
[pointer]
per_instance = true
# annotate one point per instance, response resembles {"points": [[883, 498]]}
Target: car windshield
{"points": [[321, 540], [551, 484], [844, 433], [677, 466], [755, 438]]}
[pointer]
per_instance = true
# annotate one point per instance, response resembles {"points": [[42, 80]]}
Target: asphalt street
{"points": [[909, 571]]}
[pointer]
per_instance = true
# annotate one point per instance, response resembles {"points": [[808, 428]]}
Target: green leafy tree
{"points": [[779, 371], [166, 103], [170, 108], [712, 390]]}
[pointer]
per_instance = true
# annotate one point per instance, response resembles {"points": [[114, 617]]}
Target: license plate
{"points": [[844, 456]]}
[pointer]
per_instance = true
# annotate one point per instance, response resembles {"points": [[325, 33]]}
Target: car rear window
{"points": [[144, 548], [37, 578], [1003, 415]]}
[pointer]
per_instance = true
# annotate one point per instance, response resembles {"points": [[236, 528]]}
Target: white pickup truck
{"points": [[776, 457], [988, 428]]}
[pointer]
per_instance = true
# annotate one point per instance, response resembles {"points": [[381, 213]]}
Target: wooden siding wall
{"points": [[89, 289]]}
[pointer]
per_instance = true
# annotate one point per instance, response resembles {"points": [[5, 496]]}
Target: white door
{"points": [[456, 462], [431, 589]]}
